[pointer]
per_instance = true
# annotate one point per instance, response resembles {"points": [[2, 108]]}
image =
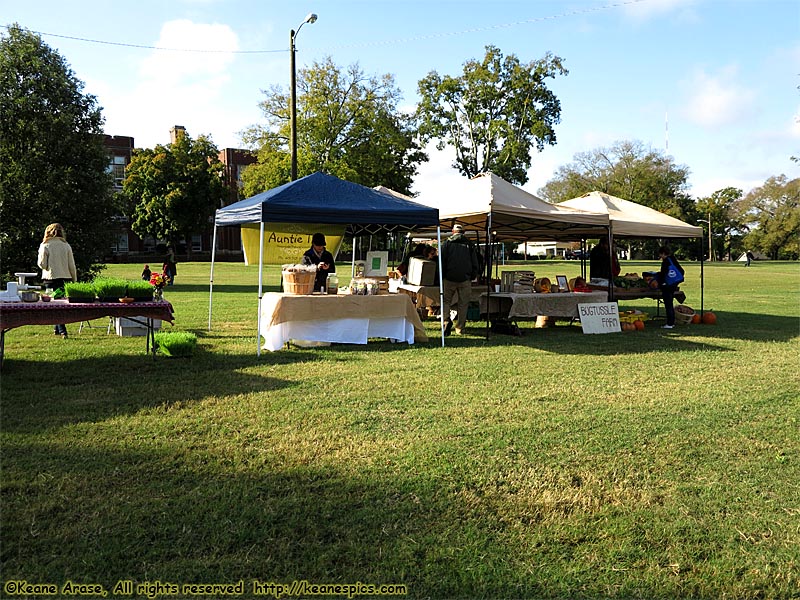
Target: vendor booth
{"points": [[322, 198], [632, 220], [497, 211]]}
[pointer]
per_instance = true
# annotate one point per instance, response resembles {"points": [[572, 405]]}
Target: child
{"points": [[146, 273]]}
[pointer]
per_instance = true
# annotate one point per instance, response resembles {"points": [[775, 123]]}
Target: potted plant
{"points": [[175, 343], [79, 291], [140, 291], [109, 289]]}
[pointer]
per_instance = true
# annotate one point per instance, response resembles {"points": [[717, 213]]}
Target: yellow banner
{"points": [[285, 243]]}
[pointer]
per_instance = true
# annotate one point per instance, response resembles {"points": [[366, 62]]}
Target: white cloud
{"points": [[717, 100], [645, 10], [180, 88]]}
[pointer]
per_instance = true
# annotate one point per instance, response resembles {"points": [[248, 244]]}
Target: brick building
{"points": [[120, 149]]}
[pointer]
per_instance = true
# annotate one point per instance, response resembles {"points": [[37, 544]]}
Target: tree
{"points": [[172, 191], [634, 172], [348, 125], [493, 114], [726, 228], [772, 212], [53, 164]]}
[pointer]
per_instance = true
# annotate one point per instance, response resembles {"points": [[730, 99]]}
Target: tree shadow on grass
{"points": [[161, 513], [569, 339]]}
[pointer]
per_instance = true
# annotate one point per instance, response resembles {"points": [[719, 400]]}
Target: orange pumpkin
{"points": [[638, 325], [654, 283], [696, 318], [709, 318]]}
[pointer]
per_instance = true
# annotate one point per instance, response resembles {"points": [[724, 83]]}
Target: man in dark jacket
{"points": [[459, 268], [318, 255]]}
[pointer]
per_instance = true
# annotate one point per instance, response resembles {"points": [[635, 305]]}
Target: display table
{"points": [[424, 296], [639, 293], [339, 318], [18, 314], [528, 306]]}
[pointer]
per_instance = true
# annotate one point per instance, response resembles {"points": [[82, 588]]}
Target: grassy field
{"points": [[654, 464]]}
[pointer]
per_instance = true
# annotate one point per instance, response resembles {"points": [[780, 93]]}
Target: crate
{"points": [[421, 272], [298, 283], [517, 281], [127, 328]]}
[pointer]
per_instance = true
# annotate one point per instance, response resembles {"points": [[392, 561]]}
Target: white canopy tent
{"points": [[629, 219], [508, 213]]}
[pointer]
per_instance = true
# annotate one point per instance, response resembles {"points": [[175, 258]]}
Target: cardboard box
{"points": [[421, 272], [128, 328]]}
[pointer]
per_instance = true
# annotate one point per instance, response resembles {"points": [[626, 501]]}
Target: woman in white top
{"points": [[57, 263]]}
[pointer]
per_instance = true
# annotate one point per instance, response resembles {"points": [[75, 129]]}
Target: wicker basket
{"points": [[683, 314], [298, 283]]}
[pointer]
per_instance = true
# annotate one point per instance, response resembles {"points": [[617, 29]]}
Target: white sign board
{"points": [[599, 318]]}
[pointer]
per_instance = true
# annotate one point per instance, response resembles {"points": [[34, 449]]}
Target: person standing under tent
{"points": [[669, 277], [459, 268], [318, 255], [57, 264], [603, 263]]}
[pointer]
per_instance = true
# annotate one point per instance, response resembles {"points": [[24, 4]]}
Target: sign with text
{"points": [[285, 243], [599, 318]]}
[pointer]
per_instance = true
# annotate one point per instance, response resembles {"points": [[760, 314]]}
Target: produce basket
{"points": [[683, 314], [298, 280]]}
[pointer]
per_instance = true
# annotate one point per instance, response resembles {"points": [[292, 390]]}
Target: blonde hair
{"points": [[54, 230]]}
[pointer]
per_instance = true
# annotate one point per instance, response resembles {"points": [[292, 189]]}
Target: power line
{"points": [[418, 38]]}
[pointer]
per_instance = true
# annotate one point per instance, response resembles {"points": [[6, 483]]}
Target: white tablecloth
{"points": [[281, 323]]}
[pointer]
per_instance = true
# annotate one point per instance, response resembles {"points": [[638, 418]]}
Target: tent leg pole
{"points": [[211, 276], [260, 286], [441, 281], [489, 241]]}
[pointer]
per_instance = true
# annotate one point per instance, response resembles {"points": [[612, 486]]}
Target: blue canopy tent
{"points": [[321, 198]]}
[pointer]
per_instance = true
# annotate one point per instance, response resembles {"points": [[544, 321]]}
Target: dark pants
{"points": [[668, 295], [57, 284]]}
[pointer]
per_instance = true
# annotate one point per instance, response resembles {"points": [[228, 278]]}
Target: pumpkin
{"points": [[639, 325], [709, 318], [654, 283], [696, 318]]}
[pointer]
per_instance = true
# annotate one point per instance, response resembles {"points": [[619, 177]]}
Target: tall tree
{"points": [[348, 125], [627, 170], [53, 164], [172, 191], [630, 170], [726, 227], [494, 114], [772, 212]]}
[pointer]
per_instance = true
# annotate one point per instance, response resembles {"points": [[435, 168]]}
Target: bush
{"points": [[79, 289], [110, 287], [175, 343]]}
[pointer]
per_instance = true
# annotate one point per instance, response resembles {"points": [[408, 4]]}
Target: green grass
{"points": [[651, 464]]}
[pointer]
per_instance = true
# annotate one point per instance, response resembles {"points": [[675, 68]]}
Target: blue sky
{"points": [[714, 82]]}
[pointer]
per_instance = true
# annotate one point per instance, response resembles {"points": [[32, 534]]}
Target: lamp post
{"points": [[310, 18], [710, 246]]}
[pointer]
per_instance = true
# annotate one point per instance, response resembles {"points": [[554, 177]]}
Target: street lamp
{"points": [[310, 18], [710, 246]]}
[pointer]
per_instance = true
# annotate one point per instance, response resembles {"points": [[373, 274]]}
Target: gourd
{"points": [[639, 325], [696, 318], [709, 318]]}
